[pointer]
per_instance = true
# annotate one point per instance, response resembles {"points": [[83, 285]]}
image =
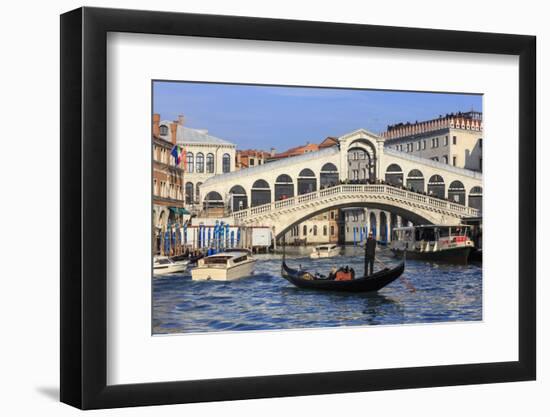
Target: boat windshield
{"points": [[240, 259], [425, 234], [460, 231], [162, 261], [405, 235], [216, 260]]}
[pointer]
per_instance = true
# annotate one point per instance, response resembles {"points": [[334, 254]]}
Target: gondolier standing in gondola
{"points": [[370, 253]]}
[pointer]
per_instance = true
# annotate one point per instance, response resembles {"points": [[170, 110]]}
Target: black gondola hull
{"points": [[375, 282]]}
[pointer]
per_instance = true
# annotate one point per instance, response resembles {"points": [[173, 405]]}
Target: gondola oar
{"points": [[403, 279]]}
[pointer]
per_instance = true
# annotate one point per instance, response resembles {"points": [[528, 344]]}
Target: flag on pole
{"points": [[184, 158], [177, 154]]}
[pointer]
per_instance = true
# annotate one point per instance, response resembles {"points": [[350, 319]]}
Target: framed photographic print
{"points": [[257, 208]]}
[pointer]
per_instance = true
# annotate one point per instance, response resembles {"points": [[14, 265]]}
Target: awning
{"points": [[179, 211]]}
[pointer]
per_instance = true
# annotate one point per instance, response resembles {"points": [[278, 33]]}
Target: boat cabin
{"points": [[224, 260], [435, 233], [433, 242]]}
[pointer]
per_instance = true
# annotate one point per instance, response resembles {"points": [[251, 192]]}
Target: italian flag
{"points": [[177, 153]]}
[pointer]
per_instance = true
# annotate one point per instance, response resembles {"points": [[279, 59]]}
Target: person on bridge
{"points": [[370, 253]]}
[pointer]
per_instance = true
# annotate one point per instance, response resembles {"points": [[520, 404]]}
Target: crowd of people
{"points": [[380, 181]]}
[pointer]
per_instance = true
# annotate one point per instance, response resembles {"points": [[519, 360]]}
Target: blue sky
{"points": [[260, 117]]}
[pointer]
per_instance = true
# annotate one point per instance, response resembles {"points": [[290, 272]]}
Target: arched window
{"points": [[190, 162], [284, 187], [394, 175], [329, 175], [189, 193], [315, 230], [325, 230], [200, 162], [304, 230], [436, 186], [415, 180], [475, 198], [260, 193], [210, 163], [213, 199], [457, 193], [226, 163], [163, 130], [329, 167], [307, 183], [239, 199], [360, 161], [198, 192]]}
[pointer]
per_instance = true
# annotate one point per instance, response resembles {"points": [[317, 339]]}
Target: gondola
{"points": [[375, 282]]}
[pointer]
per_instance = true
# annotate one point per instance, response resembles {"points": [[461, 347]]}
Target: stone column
{"points": [[389, 231], [367, 221], [377, 237]]}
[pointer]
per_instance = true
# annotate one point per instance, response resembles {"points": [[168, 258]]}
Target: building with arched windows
{"points": [[168, 183], [204, 156], [454, 139]]}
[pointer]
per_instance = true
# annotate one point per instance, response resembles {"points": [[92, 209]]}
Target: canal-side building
{"points": [[204, 156], [249, 158], [455, 139], [359, 221], [168, 180]]}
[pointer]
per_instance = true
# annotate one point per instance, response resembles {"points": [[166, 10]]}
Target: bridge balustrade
{"points": [[287, 202], [355, 189]]}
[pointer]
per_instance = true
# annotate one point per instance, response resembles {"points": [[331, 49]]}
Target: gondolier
{"points": [[370, 253]]}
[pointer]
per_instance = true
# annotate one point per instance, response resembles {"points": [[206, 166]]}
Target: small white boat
{"points": [[163, 265], [224, 266], [325, 251]]}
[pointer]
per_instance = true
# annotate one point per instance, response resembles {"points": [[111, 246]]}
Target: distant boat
{"points": [[224, 266], [443, 243], [325, 251], [164, 265], [374, 282]]}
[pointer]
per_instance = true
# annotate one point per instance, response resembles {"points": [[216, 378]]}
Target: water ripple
{"points": [[265, 301]]}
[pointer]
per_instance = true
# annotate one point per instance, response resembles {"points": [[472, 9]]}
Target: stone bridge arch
{"points": [[284, 226], [286, 214]]}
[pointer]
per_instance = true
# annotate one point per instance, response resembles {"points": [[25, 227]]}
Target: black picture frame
{"points": [[84, 207]]}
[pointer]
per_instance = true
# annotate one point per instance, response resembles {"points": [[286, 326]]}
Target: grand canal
{"points": [[265, 301]]}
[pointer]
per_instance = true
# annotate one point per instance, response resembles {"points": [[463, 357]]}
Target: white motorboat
{"points": [[164, 265], [325, 251], [224, 266]]}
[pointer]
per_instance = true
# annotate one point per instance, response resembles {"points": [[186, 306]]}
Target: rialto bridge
{"points": [[359, 172]]}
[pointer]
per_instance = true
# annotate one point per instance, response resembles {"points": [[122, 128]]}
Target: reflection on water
{"points": [[266, 301]]}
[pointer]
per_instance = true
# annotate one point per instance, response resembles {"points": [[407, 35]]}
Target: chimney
{"points": [[156, 127], [181, 119], [173, 131]]}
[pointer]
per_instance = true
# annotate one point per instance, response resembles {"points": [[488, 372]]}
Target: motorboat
{"points": [[224, 266], [164, 265], [445, 243], [325, 251]]}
